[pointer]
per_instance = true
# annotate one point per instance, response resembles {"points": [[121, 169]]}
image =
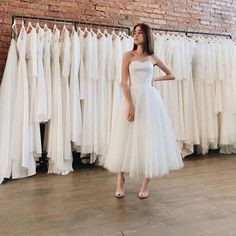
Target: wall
{"points": [[198, 15]]}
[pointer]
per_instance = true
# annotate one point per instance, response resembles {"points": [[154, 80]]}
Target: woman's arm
{"points": [[164, 68], [124, 85]]}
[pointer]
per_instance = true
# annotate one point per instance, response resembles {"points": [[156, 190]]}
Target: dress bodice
{"points": [[140, 73], [21, 44]]}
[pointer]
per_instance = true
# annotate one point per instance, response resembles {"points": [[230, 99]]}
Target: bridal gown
{"points": [[7, 92], [147, 146]]}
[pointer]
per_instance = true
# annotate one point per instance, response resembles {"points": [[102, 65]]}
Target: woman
{"points": [[142, 141]]}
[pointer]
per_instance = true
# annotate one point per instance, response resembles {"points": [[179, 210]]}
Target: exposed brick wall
{"points": [[197, 15]]}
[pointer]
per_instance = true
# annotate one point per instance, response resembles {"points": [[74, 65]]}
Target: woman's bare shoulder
{"points": [[128, 55]]}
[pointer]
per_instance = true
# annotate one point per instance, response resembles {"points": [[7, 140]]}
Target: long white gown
{"points": [[117, 91], [41, 112], [48, 81], [57, 163], [23, 163], [147, 146], [47, 69], [32, 69], [109, 80], [75, 108], [94, 78], [102, 96], [87, 110], [65, 58], [7, 93]]}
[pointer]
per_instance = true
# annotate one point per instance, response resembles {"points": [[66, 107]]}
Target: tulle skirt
{"points": [[147, 146]]}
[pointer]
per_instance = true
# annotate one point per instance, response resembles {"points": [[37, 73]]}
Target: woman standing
{"points": [[142, 141]]}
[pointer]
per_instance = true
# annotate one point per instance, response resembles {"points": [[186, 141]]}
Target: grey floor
{"points": [[197, 200]]}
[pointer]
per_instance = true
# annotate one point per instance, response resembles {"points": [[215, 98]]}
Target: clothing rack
{"points": [[187, 33], [74, 22]]}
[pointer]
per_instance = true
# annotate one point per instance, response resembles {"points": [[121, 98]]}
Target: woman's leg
{"points": [[143, 193], [120, 185]]}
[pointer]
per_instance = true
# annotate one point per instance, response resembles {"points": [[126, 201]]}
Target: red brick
{"points": [[200, 15]]}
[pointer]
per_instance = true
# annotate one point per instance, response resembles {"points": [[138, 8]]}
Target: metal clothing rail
{"points": [[74, 22], [193, 32]]}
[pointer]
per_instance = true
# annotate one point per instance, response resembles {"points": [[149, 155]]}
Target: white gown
{"points": [[76, 119], [109, 80], [47, 70], [41, 113], [57, 163], [102, 96], [89, 120], [94, 78], [117, 91], [23, 163], [7, 93], [48, 81], [65, 72], [146, 147], [32, 69]]}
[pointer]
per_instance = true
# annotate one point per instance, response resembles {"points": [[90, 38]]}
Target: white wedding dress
{"points": [[147, 146]]}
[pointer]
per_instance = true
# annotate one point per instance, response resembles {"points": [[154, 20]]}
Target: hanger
{"points": [[120, 34], [73, 30], [99, 33], [45, 27], [79, 30], [29, 26], [37, 27], [113, 34], [64, 28], [54, 28], [86, 32], [105, 32], [14, 29]]}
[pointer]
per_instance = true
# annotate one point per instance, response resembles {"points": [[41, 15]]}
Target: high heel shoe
{"points": [[143, 195], [120, 194]]}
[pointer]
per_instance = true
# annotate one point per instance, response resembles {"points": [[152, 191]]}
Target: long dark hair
{"points": [[148, 45]]}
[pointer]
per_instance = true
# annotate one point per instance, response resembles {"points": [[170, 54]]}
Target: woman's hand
{"points": [[130, 116]]}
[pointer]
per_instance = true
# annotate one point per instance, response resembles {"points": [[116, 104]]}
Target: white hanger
{"points": [[14, 28], [99, 33], [64, 28], [45, 27], [29, 26], [73, 30], [86, 32], [125, 35], [54, 28], [120, 34], [105, 32]]}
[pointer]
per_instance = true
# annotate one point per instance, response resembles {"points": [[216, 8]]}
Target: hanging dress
{"points": [[88, 101], [94, 77], [75, 108], [147, 146], [7, 93], [41, 113], [47, 70], [102, 96], [109, 81], [32, 69], [57, 163], [48, 81], [117, 91], [65, 72], [23, 163]]}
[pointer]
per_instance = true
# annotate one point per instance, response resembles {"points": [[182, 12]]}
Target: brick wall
{"points": [[197, 15]]}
